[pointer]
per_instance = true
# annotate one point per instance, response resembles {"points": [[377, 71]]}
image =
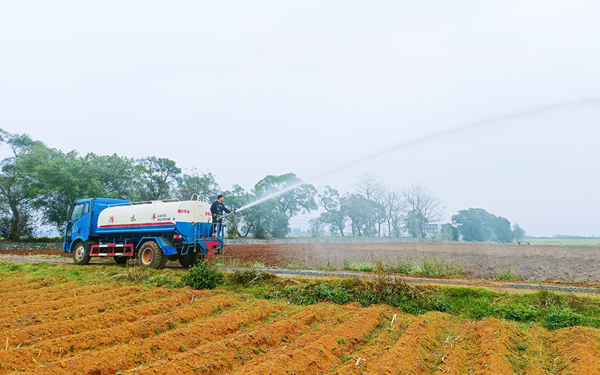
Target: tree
{"points": [[414, 222], [373, 188], [264, 219], [422, 207], [236, 198], [299, 199], [363, 214], [476, 224], [517, 231], [16, 192], [500, 227], [315, 227], [473, 224], [329, 199], [449, 232], [370, 185], [393, 205], [120, 176], [203, 184], [159, 176]]}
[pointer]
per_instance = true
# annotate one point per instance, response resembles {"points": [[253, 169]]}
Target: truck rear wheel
{"points": [[121, 260], [81, 253], [150, 255]]}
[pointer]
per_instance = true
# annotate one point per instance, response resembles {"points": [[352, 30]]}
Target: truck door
{"points": [[81, 221]]}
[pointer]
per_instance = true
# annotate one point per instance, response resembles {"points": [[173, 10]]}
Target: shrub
{"points": [[518, 313], [560, 317], [202, 277]]}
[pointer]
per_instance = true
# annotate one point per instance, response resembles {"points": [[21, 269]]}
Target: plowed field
{"points": [[66, 327], [479, 260]]}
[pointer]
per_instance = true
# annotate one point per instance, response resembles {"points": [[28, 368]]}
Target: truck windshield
{"points": [[79, 211]]}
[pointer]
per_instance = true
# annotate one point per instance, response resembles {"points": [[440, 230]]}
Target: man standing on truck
{"points": [[217, 209]]}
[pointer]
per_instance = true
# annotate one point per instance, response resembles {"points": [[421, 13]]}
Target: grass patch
{"points": [[364, 266], [508, 274], [436, 267], [427, 267]]}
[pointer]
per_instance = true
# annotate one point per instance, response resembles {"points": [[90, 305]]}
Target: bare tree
{"points": [[372, 187], [394, 205], [422, 207], [316, 227]]}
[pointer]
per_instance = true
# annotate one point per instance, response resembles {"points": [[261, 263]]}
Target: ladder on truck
{"points": [[111, 250]]}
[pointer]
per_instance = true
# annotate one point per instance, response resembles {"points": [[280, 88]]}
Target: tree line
{"points": [[37, 183]]}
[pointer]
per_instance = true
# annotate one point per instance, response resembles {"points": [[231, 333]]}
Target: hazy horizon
{"points": [[247, 90]]}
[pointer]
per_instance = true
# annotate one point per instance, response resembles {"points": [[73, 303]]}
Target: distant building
{"points": [[431, 228]]}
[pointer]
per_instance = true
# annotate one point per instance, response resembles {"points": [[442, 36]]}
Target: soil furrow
{"points": [[459, 351], [69, 346], [324, 353], [68, 302], [44, 296], [129, 297], [420, 349], [248, 345], [577, 351], [494, 341], [335, 316], [53, 288], [25, 283], [101, 320], [140, 352], [364, 357]]}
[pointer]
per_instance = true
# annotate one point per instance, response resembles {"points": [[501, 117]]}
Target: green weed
{"points": [[507, 274]]}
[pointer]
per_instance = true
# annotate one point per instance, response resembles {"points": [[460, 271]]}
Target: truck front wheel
{"points": [[150, 255], [81, 253]]}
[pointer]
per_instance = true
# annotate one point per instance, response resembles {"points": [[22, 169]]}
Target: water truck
{"points": [[151, 232]]}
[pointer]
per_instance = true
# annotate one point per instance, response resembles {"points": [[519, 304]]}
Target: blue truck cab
{"points": [[152, 232]]}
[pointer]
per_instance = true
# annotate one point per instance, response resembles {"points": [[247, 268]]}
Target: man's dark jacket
{"points": [[217, 208]]}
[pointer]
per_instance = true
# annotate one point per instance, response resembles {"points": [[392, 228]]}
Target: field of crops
{"points": [[558, 241], [62, 326]]}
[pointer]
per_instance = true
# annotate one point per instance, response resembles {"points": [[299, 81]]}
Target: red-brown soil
{"points": [[147, 330], [558, 263], [538, 262]]}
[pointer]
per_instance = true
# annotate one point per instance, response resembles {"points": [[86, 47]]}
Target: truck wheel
{"points": [[121, 260], [190, 259], [150, 255], [165, 259], [81, 253]]}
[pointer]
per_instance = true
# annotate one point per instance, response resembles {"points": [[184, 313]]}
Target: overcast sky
{"points": [[251, 88]]}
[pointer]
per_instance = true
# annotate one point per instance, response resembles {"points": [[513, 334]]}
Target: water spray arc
{"points": [[473, 125]]}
